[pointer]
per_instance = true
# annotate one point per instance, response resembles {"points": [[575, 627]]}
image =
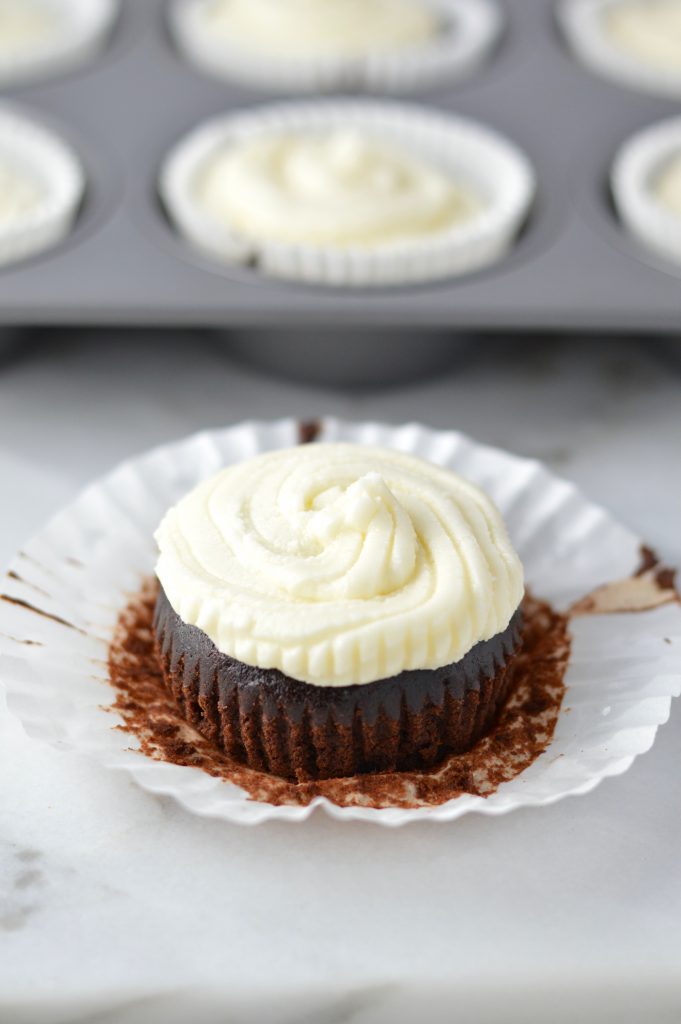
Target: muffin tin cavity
{"points": [[572, 266]]}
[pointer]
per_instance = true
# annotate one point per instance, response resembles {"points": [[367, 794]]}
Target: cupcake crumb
{"points": [[651, 586], [309, 431]]}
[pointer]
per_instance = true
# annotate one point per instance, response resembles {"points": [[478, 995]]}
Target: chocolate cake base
{"points": [[272, 723]]}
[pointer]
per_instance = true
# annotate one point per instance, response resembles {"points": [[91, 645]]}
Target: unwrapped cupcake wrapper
{"points": [[298, 731], [475, 155], [632, 178], [582, 22], [471, 29], [66, 589], [47, 158], [84, 27]]}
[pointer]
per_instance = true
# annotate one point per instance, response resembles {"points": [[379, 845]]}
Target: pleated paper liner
{"points": [[584, 25], [50, 162], [478, 157], [469, 31], [638, 162], [66, 590]]}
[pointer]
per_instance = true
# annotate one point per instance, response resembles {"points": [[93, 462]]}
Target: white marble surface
{"points": [[119, 906]]}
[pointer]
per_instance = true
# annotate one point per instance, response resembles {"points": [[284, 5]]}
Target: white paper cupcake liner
{"points": [[45, 157], [68, 585], [582, 22], [474, 154], [84, 27], [632, 177], [471, 28]]}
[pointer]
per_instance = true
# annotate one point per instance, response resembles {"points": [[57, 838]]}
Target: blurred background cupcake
{"points": [[387, 45], [646, 186], [44, 37], [348, 193], [635, 42], [41, 187]]}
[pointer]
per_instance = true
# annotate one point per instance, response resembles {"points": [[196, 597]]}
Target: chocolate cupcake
{"points": [[334, 609]]}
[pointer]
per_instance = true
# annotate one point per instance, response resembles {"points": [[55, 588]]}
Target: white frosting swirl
{"points": [[649, 30], [667, 185], [339, 564], [24, 24], [329, 188], [20, 193], [322, 28]]}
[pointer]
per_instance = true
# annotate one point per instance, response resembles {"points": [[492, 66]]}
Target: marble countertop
{"points": [[119, 906]]}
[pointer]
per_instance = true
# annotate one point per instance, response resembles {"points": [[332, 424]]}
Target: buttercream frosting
{"points": [[339, 564], [667, 185], [321, 28], [337, 187], [20, 193], [649, 30], [25, 24]]}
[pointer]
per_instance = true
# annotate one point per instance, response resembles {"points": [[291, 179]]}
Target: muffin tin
{"points": [[574, 266]]}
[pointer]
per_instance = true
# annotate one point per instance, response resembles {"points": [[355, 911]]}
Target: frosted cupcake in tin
{"points": [[348, 193], [333, 609], [391, 45], [636, 42], [646, 188], [41, 187], [43, 37]]}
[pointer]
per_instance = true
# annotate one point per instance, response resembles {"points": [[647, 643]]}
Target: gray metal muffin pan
{"points": [[573, 267]]}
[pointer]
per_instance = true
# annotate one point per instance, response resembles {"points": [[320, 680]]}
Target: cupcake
{"points": [[41, 187], [636, 42], [333, 609], [646, 187], [391, 45], [42, 37], [348, 193]]}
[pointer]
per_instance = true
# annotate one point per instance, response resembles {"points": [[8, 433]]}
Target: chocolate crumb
{"points": [[650, 564], [39, 611], [309, 431], [666, 578], [651, 585], [24, 641], [12, 575], [523, 730], [649, 560]]}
